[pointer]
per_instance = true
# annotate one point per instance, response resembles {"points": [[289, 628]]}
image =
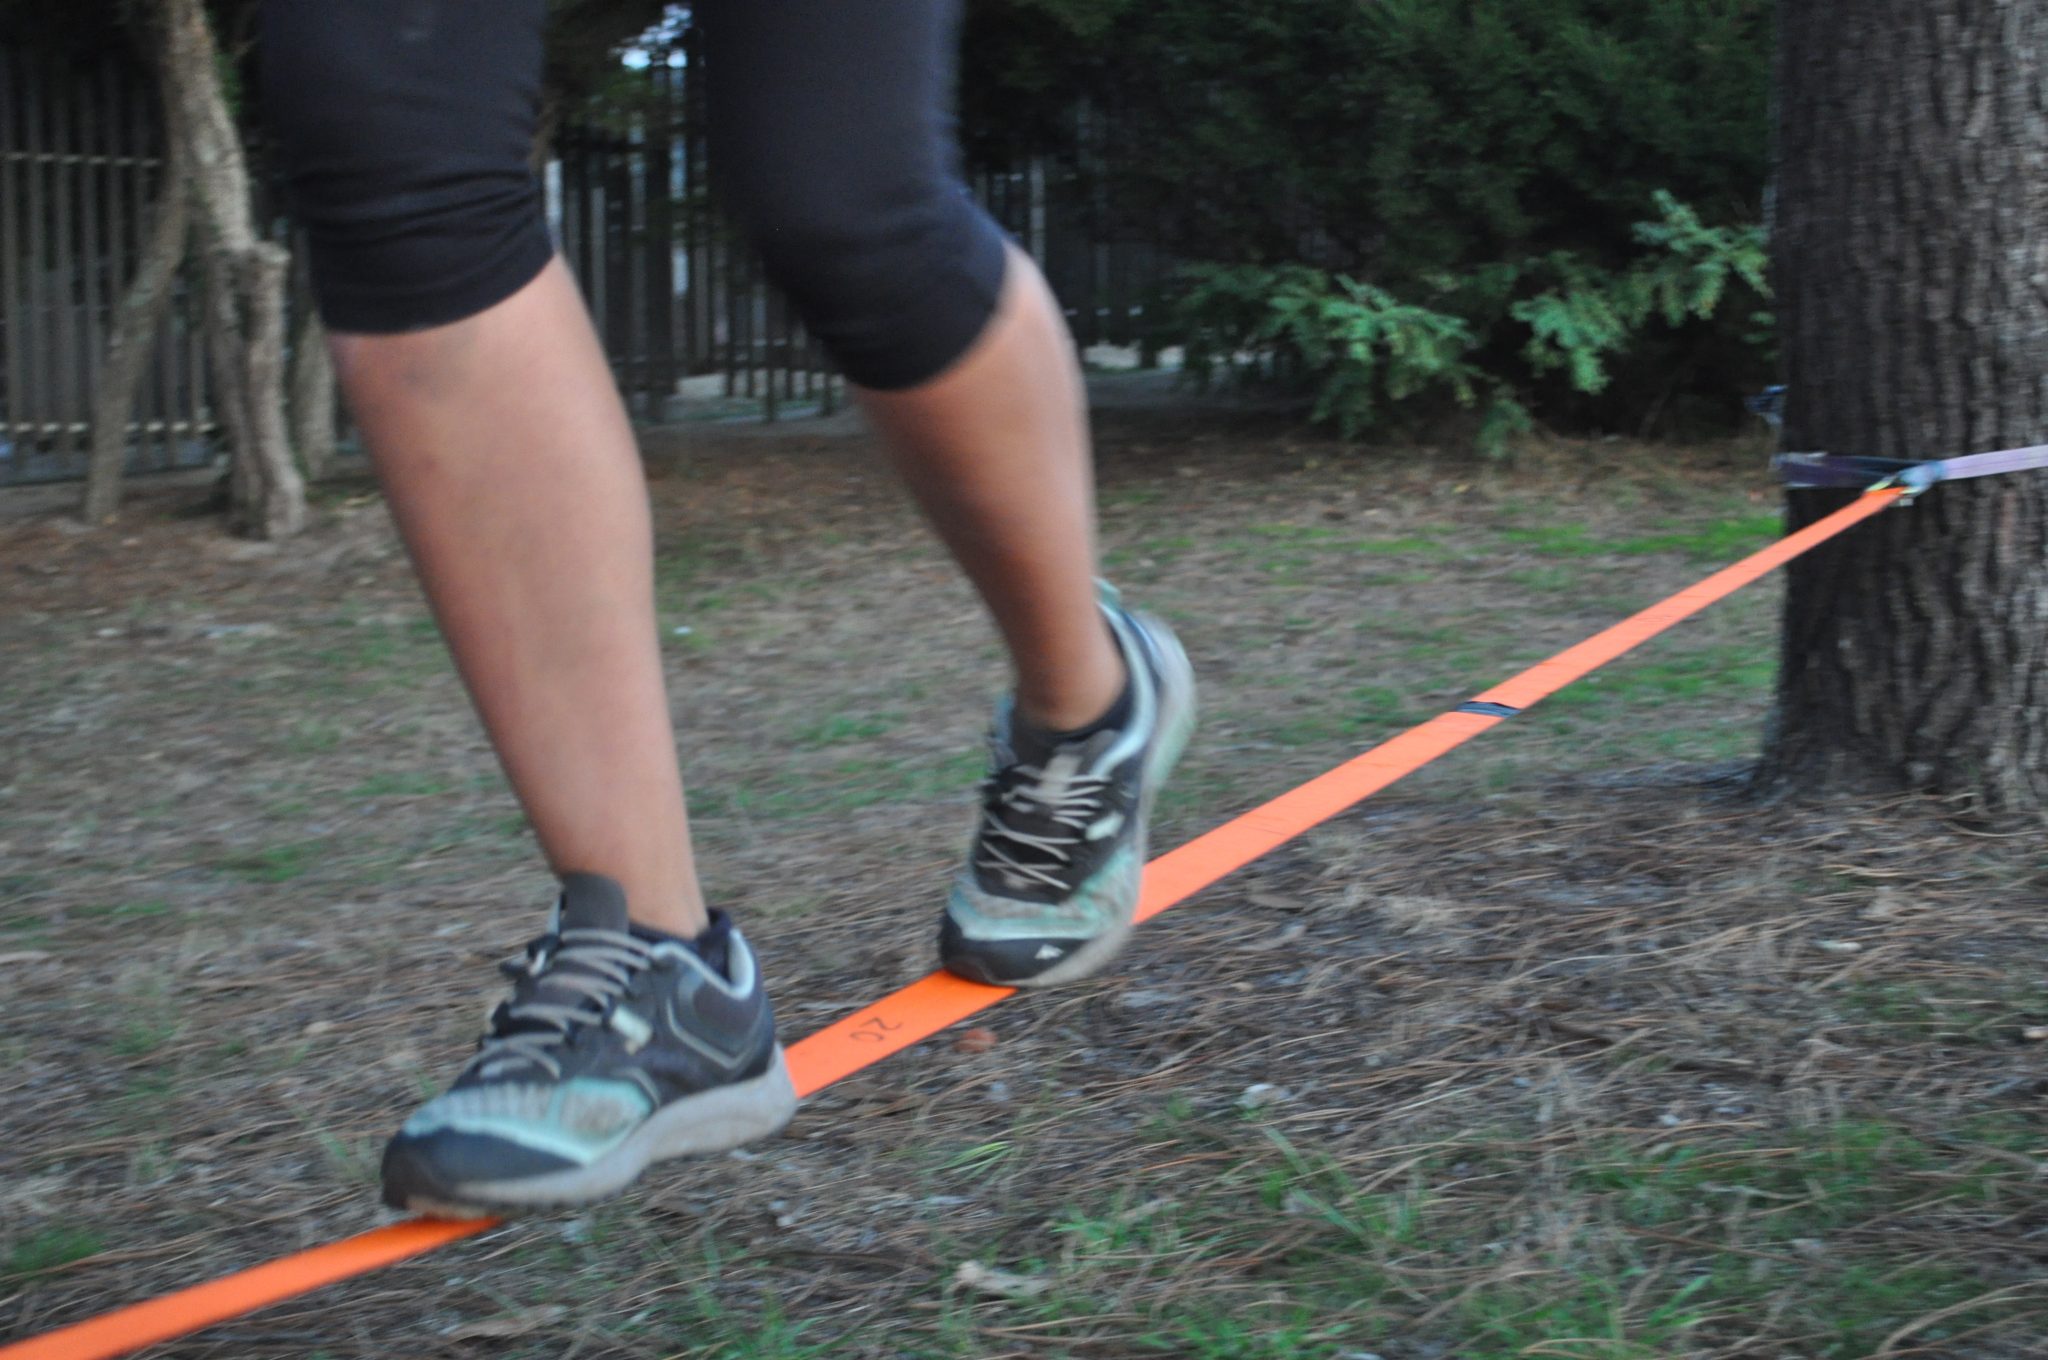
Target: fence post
{"points": [[11, 77], [660, 304]]}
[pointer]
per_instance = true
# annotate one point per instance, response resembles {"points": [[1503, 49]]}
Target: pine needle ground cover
{"points": [[1564, 1047]]}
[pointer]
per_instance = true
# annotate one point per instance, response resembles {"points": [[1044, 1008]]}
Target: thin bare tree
{"points": [[312, 396], [245, 282], [135, 324]]}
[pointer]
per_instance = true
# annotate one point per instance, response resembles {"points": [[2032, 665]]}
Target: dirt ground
{"points": [[1566, 1046]]}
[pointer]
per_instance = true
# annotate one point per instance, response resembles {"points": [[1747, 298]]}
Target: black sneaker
{"points": [[1051, 882], [613, 1052]]}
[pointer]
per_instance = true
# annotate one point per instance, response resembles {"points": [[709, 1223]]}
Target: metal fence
{"points": [[678, 299], [675, 296], [685, 316], [80, 164]]}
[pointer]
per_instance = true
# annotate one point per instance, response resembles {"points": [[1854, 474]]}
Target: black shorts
{"points": [[405, 130]]}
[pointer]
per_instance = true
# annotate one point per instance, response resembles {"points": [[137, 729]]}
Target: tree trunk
{"points": [[224, 346], [312, 395], [1911, 252], [275, 503], [135, 323], [246, 286]]}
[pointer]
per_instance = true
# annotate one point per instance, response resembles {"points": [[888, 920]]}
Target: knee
{"points": [[895, 279], [403, 135]]}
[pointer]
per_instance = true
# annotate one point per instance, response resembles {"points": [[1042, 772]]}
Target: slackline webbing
{"points": [[931, 1004]]}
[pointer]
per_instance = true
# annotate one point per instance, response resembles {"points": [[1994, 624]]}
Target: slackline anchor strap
{"points": [[1805, 471]]}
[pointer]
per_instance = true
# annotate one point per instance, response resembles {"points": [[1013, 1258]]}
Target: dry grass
{"points": [[1562, 1048]]}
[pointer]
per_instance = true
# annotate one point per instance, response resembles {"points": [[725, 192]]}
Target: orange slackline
{"points": [[931, 1004]]}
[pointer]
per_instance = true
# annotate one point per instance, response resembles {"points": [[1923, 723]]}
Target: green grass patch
{"points": [[143, 1103], [141, 1035], [1359, 712], [1911, 1011], [841, 786], [842, 729], [1640, 1250], [1720, 671], [370, 653], [312, 737], [1721, 539], [614, 1244], [1716, 540], [122, 911], [1549, 580], [401, 784], [49, 1249], [271, 863], [1347, 540], [1556, 540]]}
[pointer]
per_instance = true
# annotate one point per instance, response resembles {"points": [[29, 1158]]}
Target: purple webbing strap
{"points": [[1803, 471], [1990, 464], [1837, 470]]}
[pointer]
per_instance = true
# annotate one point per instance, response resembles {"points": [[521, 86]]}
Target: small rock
{"points": [[521, 1323], [1002, 1284], [980, 1039], [1146, 1210], [1839, 946], [1261, 1094], [2034, 1034], [317, 1028]]}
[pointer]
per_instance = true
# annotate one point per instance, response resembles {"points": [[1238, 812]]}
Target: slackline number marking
{"points": [[875, 1030]]}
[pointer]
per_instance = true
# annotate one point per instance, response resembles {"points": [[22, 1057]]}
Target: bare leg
{"points": [[512, 471], [995, 449]]}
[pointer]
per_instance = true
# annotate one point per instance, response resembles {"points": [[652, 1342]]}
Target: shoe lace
{"points": [[563, 983], [1033, 817]]}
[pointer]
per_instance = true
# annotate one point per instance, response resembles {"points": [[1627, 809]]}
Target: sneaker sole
{"points": [[1176, 725], [713, 1121]]}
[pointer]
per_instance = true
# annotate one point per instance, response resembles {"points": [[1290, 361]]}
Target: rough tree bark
{"points": [[246, 277], [1912, 259], [224, 346], [135, 323], [312, 397]]}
